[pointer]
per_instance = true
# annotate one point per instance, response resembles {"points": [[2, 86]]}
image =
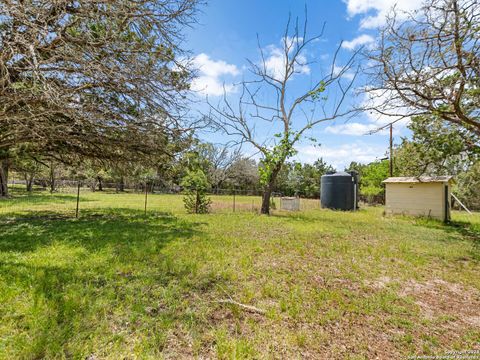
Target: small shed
{"points": [[419, 196]]}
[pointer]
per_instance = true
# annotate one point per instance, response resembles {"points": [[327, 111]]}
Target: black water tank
{"points": [[339, 191]]}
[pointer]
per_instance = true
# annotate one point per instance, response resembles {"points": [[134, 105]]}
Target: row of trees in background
{"points": [[205, 167], [221, 170]]}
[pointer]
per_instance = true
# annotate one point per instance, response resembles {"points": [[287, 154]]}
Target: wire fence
{"points": [[76, 198]]}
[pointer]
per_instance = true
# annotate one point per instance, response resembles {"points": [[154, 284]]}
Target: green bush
{"points": [[196, 184]]}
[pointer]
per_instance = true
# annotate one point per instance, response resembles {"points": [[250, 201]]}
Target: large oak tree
{"points": [[95, 79]]}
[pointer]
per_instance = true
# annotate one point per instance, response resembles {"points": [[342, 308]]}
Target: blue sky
{"points": [[227, 35]]}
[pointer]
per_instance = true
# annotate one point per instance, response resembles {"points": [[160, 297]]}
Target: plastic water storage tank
{"points": [[339, 191]]}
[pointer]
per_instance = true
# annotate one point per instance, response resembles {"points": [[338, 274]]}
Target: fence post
{"points": [[78, 199], [233, 200], [146, 195]]}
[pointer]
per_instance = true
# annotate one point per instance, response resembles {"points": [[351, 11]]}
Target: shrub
{"points": [[196, 184]]}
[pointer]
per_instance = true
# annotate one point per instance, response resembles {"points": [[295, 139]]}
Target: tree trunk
{"points": [[100, 184], [29, 182], [4, 164], [267, 191], [122, 184], [52, 178]]}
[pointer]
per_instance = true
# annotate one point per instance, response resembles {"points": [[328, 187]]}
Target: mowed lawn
{"points": [[319, 284]]}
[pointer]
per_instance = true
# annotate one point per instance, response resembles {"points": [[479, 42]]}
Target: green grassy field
{"points": [[118, 284]]}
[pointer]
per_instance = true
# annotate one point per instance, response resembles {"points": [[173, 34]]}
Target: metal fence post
{"points": [[146, 195], [78, 199], [233, 200]]}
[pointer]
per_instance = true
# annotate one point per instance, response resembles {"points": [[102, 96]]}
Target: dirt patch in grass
{"points": [[380, 283], [347, 337], [360, 335], [437, 298]]}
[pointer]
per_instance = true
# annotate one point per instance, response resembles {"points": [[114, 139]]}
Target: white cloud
{"points": [[374, 12], [376, 99], [373, 120], [363, 39], [341, 156], [275, 61], [366, 128], [211, 72], [347, 74], [351, 128]]}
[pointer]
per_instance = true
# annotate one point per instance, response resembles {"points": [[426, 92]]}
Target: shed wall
{"points": [[418, 199]]}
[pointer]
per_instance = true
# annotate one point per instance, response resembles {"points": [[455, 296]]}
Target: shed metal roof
{"points": [[420, 179]]}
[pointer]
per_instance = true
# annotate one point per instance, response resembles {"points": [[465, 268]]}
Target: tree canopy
{"points": [[91, 77], [94, 79], [427, 64]]}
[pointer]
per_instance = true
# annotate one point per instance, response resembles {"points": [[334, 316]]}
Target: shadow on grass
{"points": [[41, 199], [93, 229], [469, 231], [68, 267], [456, 227]]}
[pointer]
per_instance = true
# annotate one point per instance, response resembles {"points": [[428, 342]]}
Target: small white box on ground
{"points": [[290, 203]]}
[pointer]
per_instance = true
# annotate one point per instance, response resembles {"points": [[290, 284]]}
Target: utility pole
{"points": [[391, 150]]}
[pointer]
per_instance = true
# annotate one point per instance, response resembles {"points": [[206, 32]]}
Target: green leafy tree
{"points": [[439, 148], [356, 166], [371, 181], [195, 184], [467, 187], [436, 148], [243, 175], [302, 179]]}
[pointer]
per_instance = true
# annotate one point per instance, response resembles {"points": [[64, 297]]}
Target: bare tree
{"points": [[290, 113], [220, 159], [99, 79], [427, 62]]}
